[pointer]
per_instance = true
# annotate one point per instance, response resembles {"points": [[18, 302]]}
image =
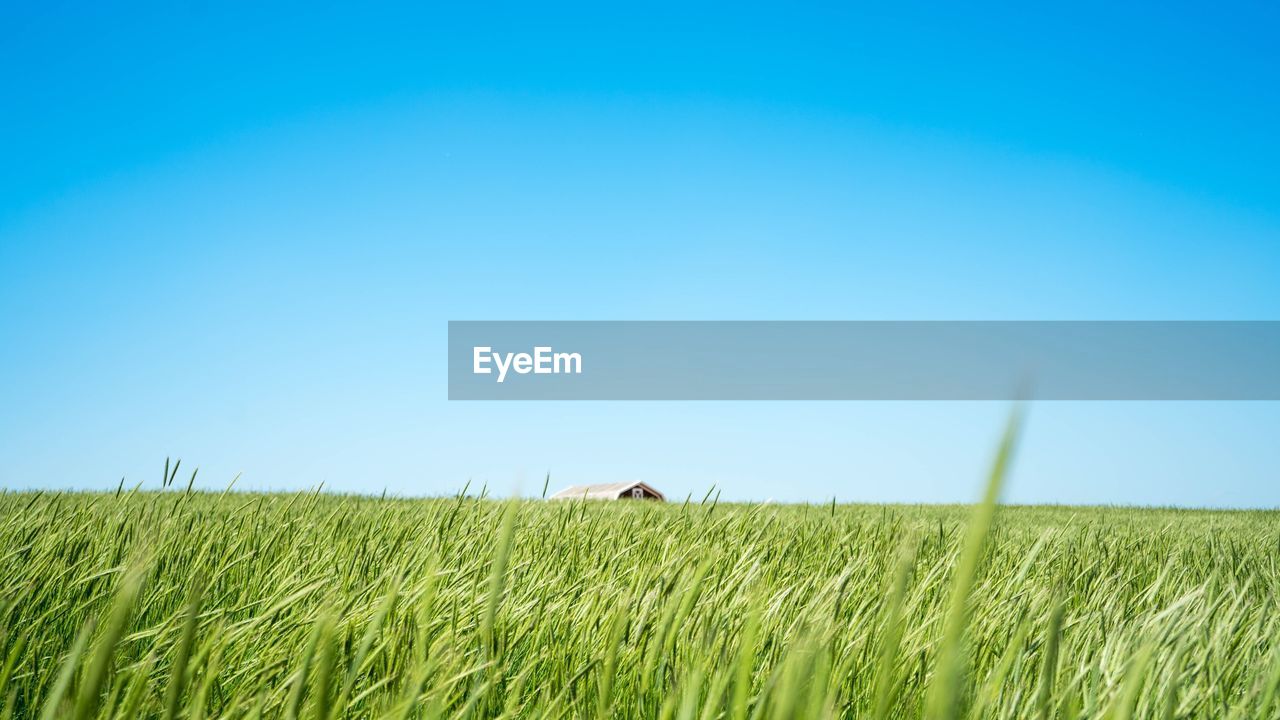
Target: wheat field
{"points": [[178, 604]]}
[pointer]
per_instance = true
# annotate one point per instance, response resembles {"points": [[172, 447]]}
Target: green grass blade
{"points": [[945, 695]]}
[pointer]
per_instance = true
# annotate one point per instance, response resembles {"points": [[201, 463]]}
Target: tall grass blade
{"points": [[178, 670], [90, 694], [944, 699]]}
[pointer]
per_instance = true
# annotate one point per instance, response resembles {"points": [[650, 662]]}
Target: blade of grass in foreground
{"points": [[371, 632], [321, 695], [498, 575], [745, 662], [299, 689], [53, 702], [90, 694], [891, 635], [1049, 669], [946, 689], [491, 647], [177, 675], [608, 670]]}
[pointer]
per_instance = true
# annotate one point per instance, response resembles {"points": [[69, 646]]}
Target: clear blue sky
{"points": [[235, 235]]}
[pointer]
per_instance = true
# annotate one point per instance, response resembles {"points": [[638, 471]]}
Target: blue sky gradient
{"points": [[236, 237]]}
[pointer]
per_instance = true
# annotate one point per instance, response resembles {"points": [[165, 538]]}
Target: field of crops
{"points": [[195, 605]]}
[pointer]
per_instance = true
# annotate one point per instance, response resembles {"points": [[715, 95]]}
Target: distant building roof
{"points": [[606, 491]]}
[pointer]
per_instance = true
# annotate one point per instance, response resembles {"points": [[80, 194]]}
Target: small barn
{"points": [[610, 491]]}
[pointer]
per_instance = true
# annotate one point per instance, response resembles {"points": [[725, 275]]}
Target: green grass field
{"points": [[194, 605]]}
